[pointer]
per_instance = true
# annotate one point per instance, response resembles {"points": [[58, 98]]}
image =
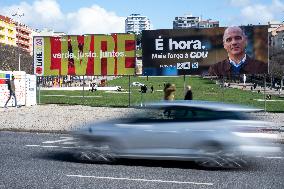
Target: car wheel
{"points": [[215, 157], [98, 154]]}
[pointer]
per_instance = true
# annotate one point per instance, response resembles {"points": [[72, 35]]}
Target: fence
{"points": [[125, 91]]}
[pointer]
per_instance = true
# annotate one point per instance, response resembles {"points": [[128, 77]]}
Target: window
{"points": [[184, 114]]}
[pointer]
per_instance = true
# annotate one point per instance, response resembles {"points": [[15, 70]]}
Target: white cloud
{"points": [[260, 13], [256, 14], [48, 14], [95, 20]]}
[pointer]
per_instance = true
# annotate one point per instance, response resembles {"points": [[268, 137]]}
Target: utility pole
{"points": [[18, 15]]}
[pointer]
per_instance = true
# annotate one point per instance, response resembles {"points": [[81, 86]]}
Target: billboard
{"points": [[85, 55], [201, 51]]}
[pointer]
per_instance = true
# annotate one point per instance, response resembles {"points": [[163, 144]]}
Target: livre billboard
{"points": [[200, 51], [85, 55]]}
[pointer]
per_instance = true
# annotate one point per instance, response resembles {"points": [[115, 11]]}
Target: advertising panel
{"points": [[20, 89], [205, 51], [85, 55]]}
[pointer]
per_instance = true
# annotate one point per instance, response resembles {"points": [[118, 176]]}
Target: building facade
{"points": [[24, 37], [7, 31], [16, 34], [48, 32], [277, 37], [273, 25], [135, 23], [190, 21]]}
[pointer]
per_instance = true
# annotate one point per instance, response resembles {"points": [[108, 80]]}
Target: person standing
{"points": [[169, 91], [11, 88], [188, 94]]}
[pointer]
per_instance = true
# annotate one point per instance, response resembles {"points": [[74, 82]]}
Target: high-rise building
{"points": [[189, 21], [7, 31], [48, 32], [24, 37], [16, 34], [276, 30], [135, 23]]}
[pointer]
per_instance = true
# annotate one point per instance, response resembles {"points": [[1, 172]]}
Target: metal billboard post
{"points": [[83, 90], [128, 90], [184, 84], [264, 93], [38, 88]]}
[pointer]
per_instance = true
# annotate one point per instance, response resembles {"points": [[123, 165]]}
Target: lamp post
{"points": [[19, 62], [19, 15]]}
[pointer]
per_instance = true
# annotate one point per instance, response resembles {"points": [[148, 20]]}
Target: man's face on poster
{"points": [[234, 41]]}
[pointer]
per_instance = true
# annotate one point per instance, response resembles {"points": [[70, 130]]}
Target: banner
{"points": [[20, 88], [85, 55], [201, 51]]}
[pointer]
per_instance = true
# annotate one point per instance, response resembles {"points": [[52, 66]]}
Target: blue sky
{"points": [[107, 16]]}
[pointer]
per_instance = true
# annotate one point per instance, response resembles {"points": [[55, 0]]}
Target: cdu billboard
{"points": [[205, 51]]}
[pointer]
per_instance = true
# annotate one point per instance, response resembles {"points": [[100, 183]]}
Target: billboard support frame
{"points": [[38, 88], [184, 84], [83, 90], [264, 92], [129, 91]]}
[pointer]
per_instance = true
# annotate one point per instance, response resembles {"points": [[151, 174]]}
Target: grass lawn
{"points": [[203, 89]]}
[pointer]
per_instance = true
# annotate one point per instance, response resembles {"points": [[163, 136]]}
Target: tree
{"points": [[9, 59]]}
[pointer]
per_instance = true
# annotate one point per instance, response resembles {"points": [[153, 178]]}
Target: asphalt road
{"points": [[43, 160]]}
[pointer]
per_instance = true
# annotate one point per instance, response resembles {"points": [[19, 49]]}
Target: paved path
{"points": [[260, 89]]}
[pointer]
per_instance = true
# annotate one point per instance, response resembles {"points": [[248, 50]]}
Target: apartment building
{"points": [[273, 25], [16, 34], [135, 23], [24, 37], [7, 31], [190, 21]]}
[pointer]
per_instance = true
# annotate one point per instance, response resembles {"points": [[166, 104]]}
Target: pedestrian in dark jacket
{"points": [[11, 88], [188, 94]]}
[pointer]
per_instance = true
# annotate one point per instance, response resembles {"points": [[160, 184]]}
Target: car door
{"points": [[196, 126], [154, 134]]}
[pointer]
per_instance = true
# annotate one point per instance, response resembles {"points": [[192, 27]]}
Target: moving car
{"points": [[209, 133]]}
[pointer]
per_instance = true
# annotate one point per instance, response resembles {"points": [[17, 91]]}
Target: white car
{"points": [[209, 133]]}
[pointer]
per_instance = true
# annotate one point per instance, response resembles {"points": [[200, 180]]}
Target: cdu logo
{"points": [[194, 65], [183, 66]]}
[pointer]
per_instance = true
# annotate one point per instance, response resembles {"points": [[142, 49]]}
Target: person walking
{"points": [[188, 94], [152, 88], [11, 88]]}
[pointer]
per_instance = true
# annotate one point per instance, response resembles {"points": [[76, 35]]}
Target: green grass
{"points": [[203, 89]]}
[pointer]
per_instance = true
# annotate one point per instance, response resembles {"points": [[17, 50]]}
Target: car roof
{"points": [[216, 106]]}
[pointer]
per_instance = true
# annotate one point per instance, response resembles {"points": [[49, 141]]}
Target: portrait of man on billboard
{"points": [[238, 61]]}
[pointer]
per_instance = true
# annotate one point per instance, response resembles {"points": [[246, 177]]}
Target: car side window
{"points": [[193, 114], [153, 115], [177, 113]]}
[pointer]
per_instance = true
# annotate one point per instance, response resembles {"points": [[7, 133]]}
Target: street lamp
{"points": [[19, 15], [19, 62]]}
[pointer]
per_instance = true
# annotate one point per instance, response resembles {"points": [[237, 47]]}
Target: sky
{"points": [[108, 16]]}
